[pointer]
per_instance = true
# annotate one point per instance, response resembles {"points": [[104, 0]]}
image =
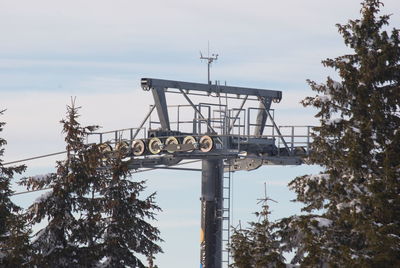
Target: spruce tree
{"points": [[95, 216], [353, 206], [257, 246], [56, 245], [127, 234], [240, 248], [14, 234]]}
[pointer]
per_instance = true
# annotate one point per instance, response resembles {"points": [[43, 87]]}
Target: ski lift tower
{"points": [[234, 131]]}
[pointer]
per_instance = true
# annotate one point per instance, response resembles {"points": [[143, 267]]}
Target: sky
{"points": [[97, 51]]}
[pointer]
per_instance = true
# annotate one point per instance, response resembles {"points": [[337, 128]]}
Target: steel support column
{"points": [[211, 213], [262, 116], [161, 105]]}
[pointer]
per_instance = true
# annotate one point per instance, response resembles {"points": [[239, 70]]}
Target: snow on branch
{"points": [[43, 197], [323, 222]]}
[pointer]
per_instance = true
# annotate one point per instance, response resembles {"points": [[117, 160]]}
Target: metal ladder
{"points": [[226, 218]]}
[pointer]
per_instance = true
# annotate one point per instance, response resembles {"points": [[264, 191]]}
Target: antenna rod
{"points": [[210, 60]]}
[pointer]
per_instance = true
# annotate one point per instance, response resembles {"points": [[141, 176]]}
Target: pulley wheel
{"points": [[138, 147], [206, 144], [122, 147], [171, 140], [189, 140], [105, 148], [155, 145]]}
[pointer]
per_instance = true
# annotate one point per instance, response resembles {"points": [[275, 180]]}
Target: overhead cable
{"points": [[136, 171], [33, 158]]}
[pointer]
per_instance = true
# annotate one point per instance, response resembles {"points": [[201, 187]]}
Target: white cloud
{"points": [[88, 27]]}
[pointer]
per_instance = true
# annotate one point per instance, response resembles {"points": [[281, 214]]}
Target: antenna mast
{"points": [[210, 60]]}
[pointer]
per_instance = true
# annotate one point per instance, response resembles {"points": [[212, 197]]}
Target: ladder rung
{"points": [[226, 215]]}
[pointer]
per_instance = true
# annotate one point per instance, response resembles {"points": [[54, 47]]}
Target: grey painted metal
{"points": [[261, 149], [229, 96], [214, 154], [265, 105], [237, 114], [161, 105], [184, 169], [199, 113], [209, 61], [226, 216], [136, 170], [278, 131], [150, 83], [211, 213], [283, 161], [143, 122]]}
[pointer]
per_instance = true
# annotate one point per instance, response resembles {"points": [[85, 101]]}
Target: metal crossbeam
{"points": [[151, 83]]}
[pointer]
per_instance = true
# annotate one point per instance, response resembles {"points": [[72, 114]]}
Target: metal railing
{"points": [[221, 123]]}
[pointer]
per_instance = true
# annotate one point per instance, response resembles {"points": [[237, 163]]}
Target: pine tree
{"points": [[353, 206], [14, 234], [56, 245], [266, 251], [95, 216], [126, 231], [257, 246], [241, 248]]}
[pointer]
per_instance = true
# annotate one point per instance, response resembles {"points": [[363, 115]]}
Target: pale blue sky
{"points": [[99, 50]]}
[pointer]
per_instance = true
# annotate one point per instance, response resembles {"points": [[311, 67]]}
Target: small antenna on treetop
{"points": [[266, 198], [209, 59]]}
